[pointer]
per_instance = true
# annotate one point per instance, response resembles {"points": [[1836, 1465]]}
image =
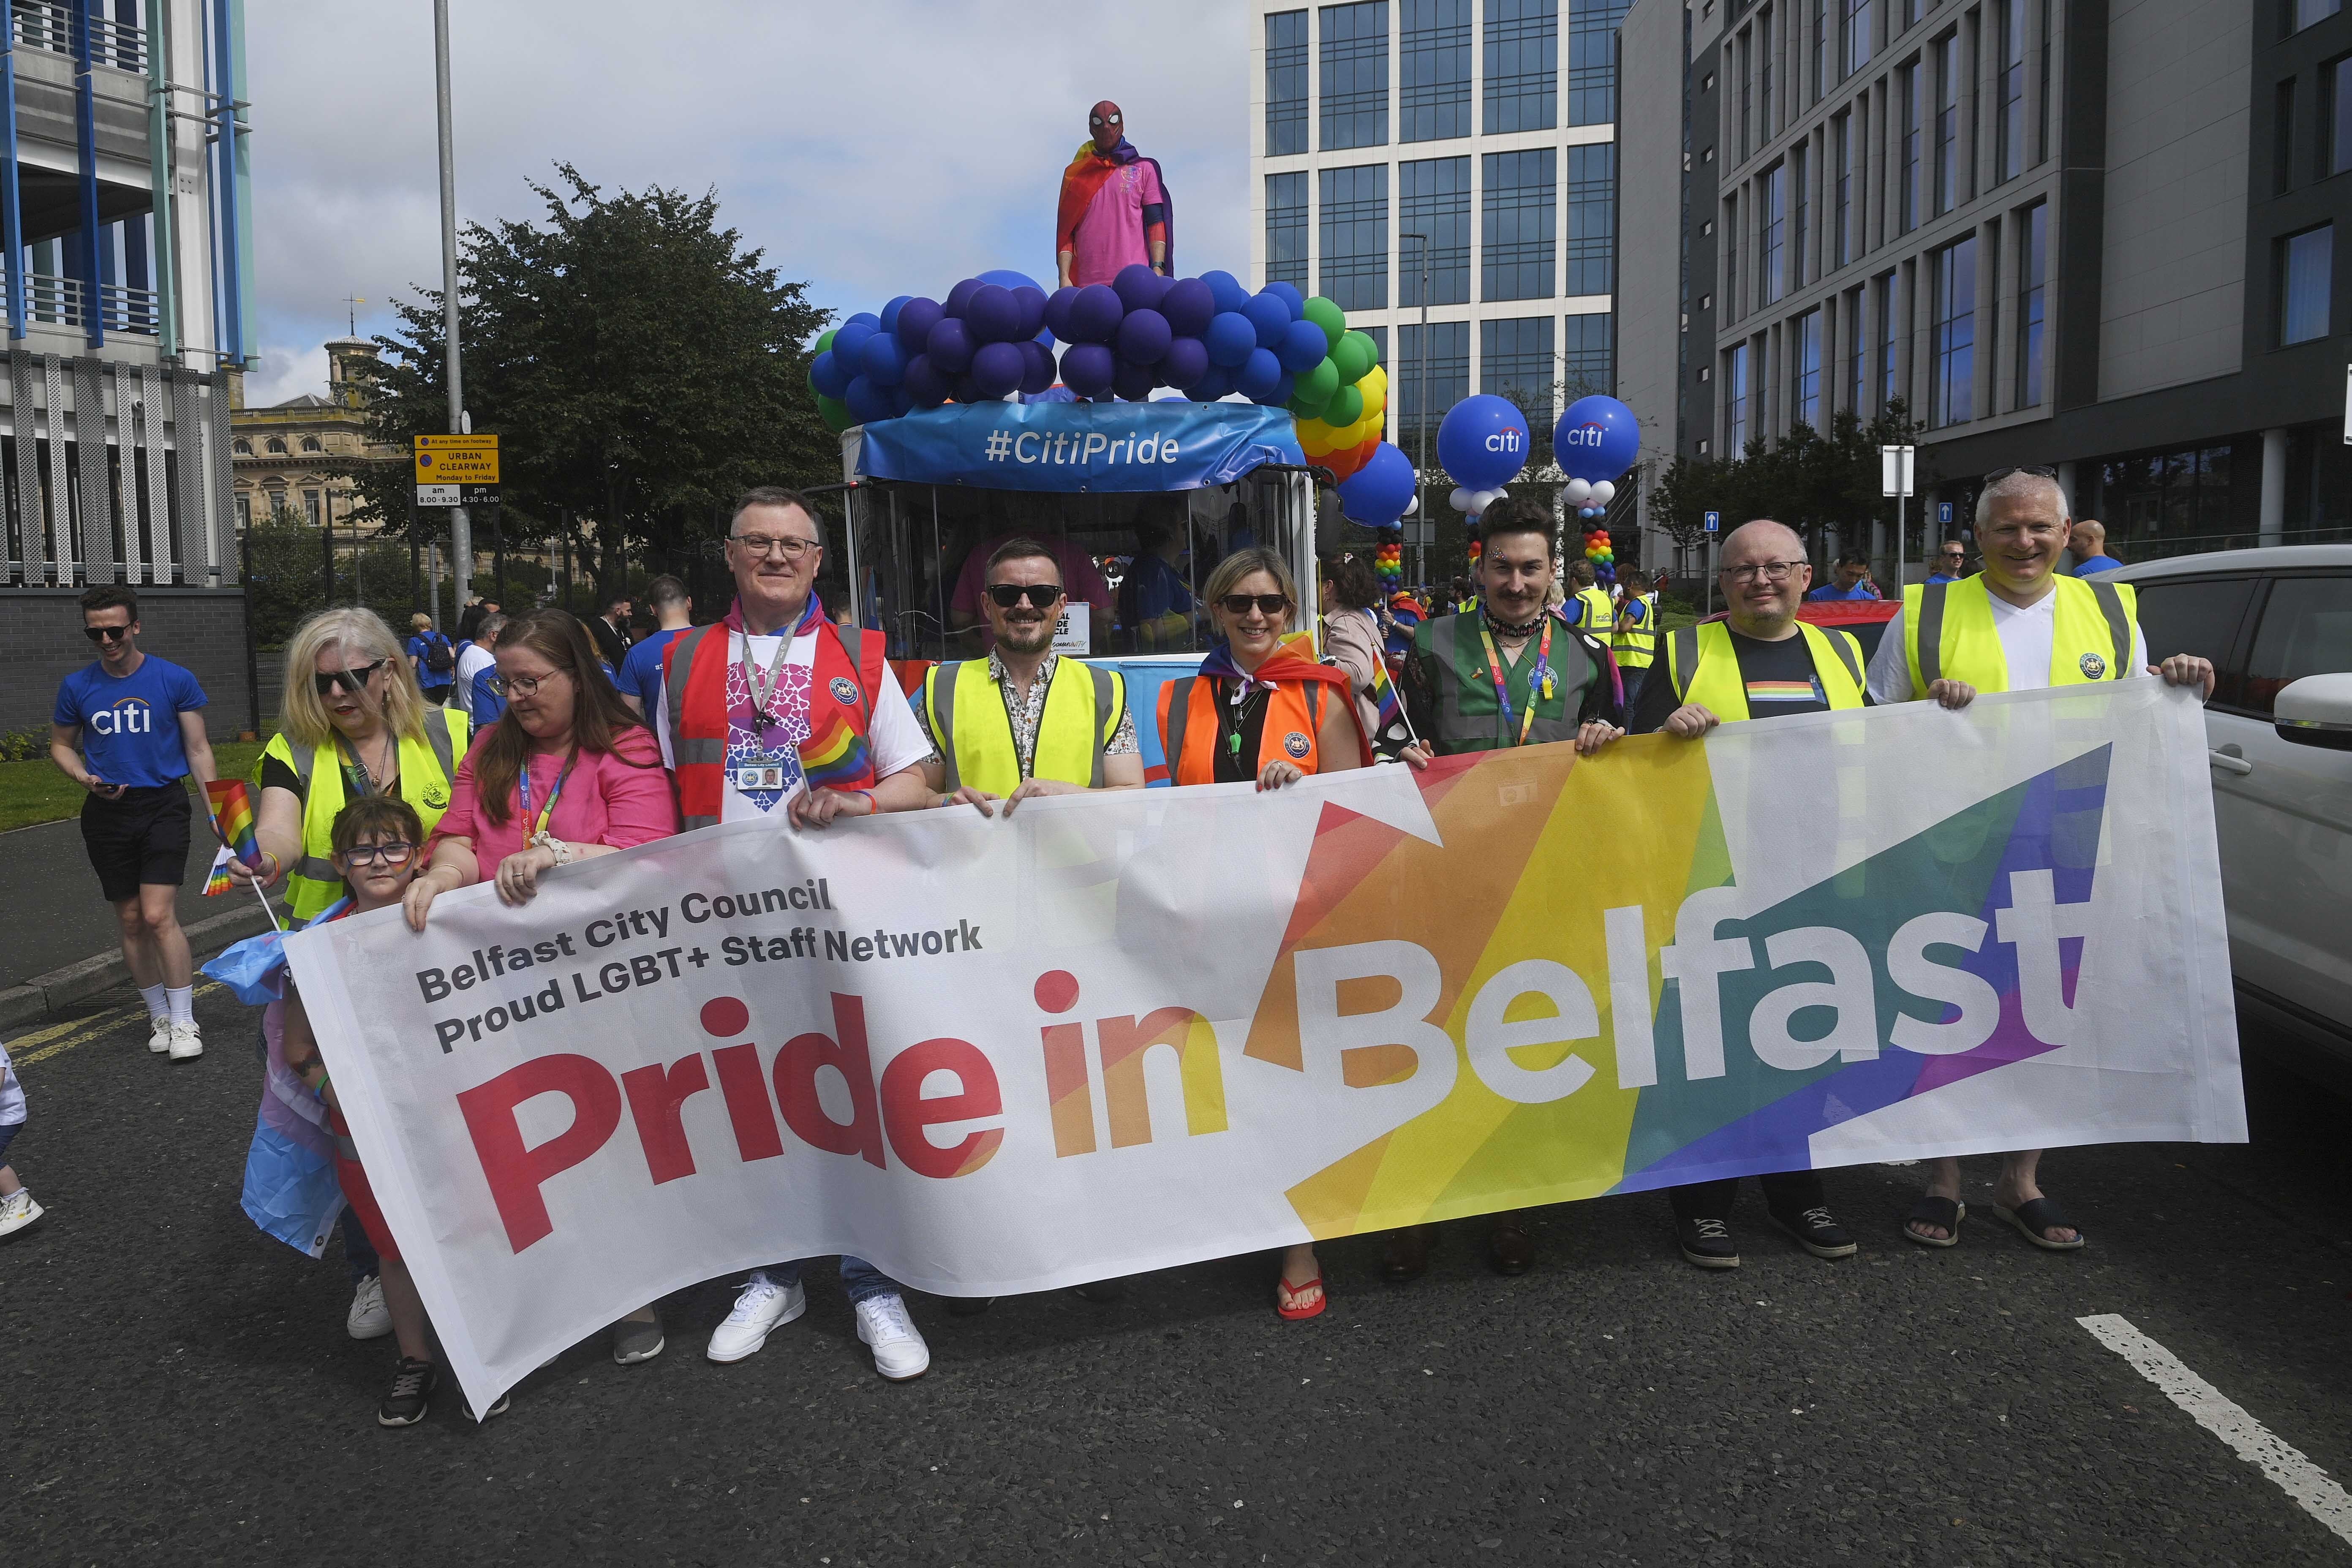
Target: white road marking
{"points": [[2312, 1488]]}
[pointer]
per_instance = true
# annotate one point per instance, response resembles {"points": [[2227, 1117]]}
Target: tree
{"points": [[640, 368], [1811, 481]]}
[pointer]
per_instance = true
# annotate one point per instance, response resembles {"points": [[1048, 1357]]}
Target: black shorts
{"points": [[139, 838]]}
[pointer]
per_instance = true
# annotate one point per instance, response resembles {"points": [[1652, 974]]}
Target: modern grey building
{"points": [[1471, 142], [2095, 234]]}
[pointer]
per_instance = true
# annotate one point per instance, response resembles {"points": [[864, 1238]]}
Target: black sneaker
{"points": [[412, 1393], [1817, 1233], [499, 1406], [1707, 1243]]}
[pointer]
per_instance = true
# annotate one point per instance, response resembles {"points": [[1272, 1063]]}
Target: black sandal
{"points": [[1933, 1210], [2036, 1216]]}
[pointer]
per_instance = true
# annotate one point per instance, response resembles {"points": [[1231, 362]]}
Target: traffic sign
{"points": [[1714, 522], [456, 459], [1896, 466], [1944, 513], [457, 495]]}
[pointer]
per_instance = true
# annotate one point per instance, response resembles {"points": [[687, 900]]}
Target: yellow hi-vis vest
{"points": [[974, 729], [1636, 646], [427, 766], [1600, 615], [1948, 634], [1705, 667]]}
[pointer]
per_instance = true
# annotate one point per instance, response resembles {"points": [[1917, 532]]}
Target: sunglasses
{"points": [[393, 855], [106, 634], [2036, 469], [1267, 603], [351, 680], [1040, 595]]}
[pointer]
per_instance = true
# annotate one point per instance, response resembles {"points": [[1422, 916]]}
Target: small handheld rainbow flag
{"points": [[218, 880], [232, 813]]}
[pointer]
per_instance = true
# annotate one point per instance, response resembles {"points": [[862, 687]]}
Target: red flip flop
{"points": [[1286, 1299]]}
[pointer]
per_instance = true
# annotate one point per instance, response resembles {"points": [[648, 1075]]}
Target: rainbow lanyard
{"points": [[1538, 679], [522, 788]]}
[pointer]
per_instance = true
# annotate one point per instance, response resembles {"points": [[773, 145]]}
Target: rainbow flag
{"points": [[835, 751], [232, 813], [218, 881]]}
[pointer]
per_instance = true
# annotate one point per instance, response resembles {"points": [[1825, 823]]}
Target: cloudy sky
{"points": [[872, 147]]}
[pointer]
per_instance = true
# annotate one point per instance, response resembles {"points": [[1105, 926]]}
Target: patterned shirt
{"points": [[1027, 710]]}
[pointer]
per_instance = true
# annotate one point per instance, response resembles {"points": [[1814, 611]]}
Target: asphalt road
{"points": [[44, 869], [180, 1390]]}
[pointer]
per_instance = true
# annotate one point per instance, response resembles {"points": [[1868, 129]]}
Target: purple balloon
{"points": [[1057, 313], [1132, 382], [924, 384], [1185, 363], [867, 403], [1269, 317], [1087, 368], [1032, 301], [1143, 337], [1212, 386], [889, 319], [1036, 366], [1292, 300], [1187, 305], [1302, 347], [996, 367], [1259, 374], [916, 317], [1225, 290], [899, 401], [884, 361], [1139, 288], [967, 390], [1230, 339], [951, 345], [993, 314], [1095, 314], [828, 375], [960, 295]]}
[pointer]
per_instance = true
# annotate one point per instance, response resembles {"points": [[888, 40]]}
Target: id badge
{"points": [[760, 771]]}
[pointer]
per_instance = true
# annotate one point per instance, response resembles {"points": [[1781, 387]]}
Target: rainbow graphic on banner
{"points": [[1951, 953]]}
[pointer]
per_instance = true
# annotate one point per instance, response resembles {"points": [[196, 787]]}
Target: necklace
{"points": [[1514, 631], [1236, 716]]}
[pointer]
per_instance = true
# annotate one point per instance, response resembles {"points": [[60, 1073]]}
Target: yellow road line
{"points": [[82, 1031]]}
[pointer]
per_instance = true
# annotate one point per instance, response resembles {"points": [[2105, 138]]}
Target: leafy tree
{"points": [[639, 365], [1811, 480]]}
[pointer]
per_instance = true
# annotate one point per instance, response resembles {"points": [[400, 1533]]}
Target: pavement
{"points": [[180, 1389]]}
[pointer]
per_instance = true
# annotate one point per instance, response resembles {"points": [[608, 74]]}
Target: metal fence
{"points": [[50, 24]]}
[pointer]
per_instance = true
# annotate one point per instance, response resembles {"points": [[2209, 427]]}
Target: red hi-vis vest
{"points": [[841, 707], [1190, 734]]}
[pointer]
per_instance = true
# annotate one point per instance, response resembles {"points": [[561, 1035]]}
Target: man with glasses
{"points": [[778, 707], [1759, 662], [1951, 562], [128, 728], [2018, 626]]}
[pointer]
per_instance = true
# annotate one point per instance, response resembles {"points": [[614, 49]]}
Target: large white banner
{"points": [[1123, 1032]]}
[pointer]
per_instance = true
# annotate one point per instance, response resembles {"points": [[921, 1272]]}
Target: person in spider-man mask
{"points": [[1115, 210]]}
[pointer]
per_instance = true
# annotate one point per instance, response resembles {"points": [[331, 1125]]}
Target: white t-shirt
{"points": [[2026, 635], [11, 1093], [472, 659], [896, 741]]}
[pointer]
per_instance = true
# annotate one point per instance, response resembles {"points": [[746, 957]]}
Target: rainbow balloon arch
{"points": [[1207, 339]]}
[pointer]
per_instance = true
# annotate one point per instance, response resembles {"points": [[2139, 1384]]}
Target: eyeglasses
{"points": [[106, 634], [393, 855], [1769, 571], [2036, 469], [527, 685], [350, 679], [759, 546], [1954, 553], [1040, 595], [1267, 603]]}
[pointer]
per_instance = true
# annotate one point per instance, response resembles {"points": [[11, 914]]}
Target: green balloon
{"points": [[1372, 349], [1318, 386], [1353, 359], [835, 412], [1347, 407], [824, 341], [1327, 316], [1306, 407]]}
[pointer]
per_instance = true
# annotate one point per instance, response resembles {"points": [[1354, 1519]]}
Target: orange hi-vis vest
{"points": [[841, 714], [1190, 734]]}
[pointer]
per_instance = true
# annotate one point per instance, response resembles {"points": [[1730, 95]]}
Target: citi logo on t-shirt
{"points": [[127, 716]]}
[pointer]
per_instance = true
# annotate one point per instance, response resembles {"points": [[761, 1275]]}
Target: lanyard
{"points": [[367, 780], [762, 691], [522, 788], [1239, 717], [1538, 680]]}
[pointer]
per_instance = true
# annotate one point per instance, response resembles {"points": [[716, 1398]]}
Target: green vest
{"points": [[1705, 667], [426, 767], [1452, 661], [974, 727]]}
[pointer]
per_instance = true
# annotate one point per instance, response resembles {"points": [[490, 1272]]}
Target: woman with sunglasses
{"points": [[1262, 708], [568, 772]]}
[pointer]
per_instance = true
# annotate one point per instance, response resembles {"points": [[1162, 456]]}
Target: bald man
{"points": [[2089, 546], [1759, 662]]}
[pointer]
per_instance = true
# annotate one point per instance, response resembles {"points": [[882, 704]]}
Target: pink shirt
{"points": [[1110, 235], [606, 801]]}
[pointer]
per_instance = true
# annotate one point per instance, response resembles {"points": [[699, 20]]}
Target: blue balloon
{"points": [[1086, 368], [1598, 438], [1230, 339], [1290, 297], [863, 318], [1269, 317], [1225, 290], [1377, 494], [1095, 314], [951, 345], [889, 320], [1286, 387], [1143, 337], [1132, 382], [1057, 313], [1302, 347], [828, 375], [867, 403], [1032, 301], [959, 295], [1259, 376], [1187, 305], [1037, 367], [1006, 277], [882, 360], [993, 314], [916, 317], [1185, 363], [1482, 442], [1139, 288], [1212, 387], [924, 384], [850, 342], [997, 368], [899, 401]]}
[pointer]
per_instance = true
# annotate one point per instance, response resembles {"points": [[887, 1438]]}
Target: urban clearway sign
{"points": [[456, 471]]}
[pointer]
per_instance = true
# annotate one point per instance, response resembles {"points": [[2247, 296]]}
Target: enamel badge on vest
{"points": [[2093, 667], [845, 690]]}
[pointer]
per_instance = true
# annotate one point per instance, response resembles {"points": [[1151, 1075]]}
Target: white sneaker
{"points": [[18, 1210], [188, 1041], [762, 1308], [899, 1351], [159, 1033], [370, 1319]]}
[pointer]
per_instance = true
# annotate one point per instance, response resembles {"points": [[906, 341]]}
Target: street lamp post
{"points": [[461, 531], [1421, 418]]}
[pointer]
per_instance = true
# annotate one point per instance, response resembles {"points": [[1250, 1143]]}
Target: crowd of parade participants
{"points": [[388, 784]]}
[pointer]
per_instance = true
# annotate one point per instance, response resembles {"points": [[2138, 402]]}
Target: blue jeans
{"points": [[860, 1280]]}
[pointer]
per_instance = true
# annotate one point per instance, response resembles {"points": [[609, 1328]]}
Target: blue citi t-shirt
{"points": [[131, 726], [641, 672]]}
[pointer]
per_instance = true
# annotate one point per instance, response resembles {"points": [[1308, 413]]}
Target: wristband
{"points": [[873, 806]]}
